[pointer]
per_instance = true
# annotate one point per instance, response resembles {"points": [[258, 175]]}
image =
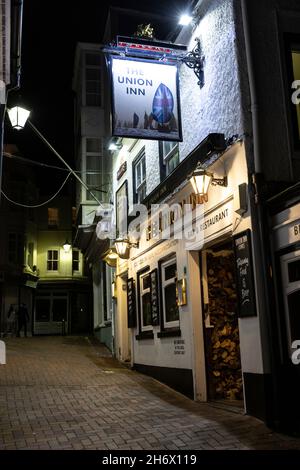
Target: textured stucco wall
{"points": [[217, 106]]}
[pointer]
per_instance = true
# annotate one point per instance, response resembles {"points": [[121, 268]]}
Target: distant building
{"points": [[18, 238], [94, 165], [63, 301]]}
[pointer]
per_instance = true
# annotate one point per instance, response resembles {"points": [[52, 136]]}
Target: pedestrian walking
{"points": [[11, 327], [23, 317]]}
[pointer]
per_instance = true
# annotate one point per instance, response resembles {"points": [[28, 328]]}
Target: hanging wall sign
{"points": [[145, 99], [244, 274], [131, 303]]}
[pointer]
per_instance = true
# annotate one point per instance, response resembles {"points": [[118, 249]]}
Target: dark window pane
{"points": [[146, 305], [170, 271], [59, 309], [93, 74], [92, 59], [172, 313], [93, 100], [92, 87], [42, 310], [55, 265], [172, 163], [146, 282], [294, 314], [294, 271], [93, 145]]}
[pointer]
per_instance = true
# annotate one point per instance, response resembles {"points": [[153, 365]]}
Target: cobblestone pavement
{"points": [[68, 393]]}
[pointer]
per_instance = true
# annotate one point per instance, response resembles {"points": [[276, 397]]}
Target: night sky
{"points": [[50, 33]]}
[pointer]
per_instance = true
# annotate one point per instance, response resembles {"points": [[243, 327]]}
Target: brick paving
{"points": [[68, 393]]}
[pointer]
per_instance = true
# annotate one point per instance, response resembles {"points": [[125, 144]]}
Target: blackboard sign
{"points": [[244, 274], [131, 305], [154, 297]]}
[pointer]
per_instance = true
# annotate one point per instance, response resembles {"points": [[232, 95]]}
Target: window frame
{"points": [[100, 155], [53, 226], [166, 325], [147, 333], [289, 39], [143, 292], [137, 190], [84, 77], [48, 260], [165, 158], [75, 261]]}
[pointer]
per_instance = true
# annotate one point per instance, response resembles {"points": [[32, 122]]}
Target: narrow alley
{"points": [[69, 393]]}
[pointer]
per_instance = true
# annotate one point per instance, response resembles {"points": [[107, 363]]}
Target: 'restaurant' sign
{"points": [[145, 99]]}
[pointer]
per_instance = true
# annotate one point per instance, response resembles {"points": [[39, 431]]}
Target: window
{"points": [[292, 48], [296, 76], [145, 299], [30, 255], [76, 259], [52, 260], [15, 248], [92, 79], [170, 308], [53, 217], [94, 166], [139, 178], [169, 157]]}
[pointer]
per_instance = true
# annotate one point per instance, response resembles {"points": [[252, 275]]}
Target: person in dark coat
{"points": [[23, 317]]}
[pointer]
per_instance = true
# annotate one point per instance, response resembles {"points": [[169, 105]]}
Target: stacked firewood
{"points": [[225, 366]]}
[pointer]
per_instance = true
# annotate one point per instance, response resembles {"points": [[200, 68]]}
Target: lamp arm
{"points": [[61, 159]]}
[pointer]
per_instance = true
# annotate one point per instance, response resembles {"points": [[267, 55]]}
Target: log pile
{"points": [[224, 362]]}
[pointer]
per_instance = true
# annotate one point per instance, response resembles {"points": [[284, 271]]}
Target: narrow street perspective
{"points": [[69, 393]]}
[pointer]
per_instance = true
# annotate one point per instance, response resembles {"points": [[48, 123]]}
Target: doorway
{"points": [[51, 313], [221, 330]]}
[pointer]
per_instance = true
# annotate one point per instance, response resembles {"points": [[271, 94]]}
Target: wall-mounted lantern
{"points": [[111, 257], [67, 246], [123, 246], [201, 179]]}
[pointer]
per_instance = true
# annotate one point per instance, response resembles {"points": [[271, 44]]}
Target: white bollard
{"points": [[2, 353]]}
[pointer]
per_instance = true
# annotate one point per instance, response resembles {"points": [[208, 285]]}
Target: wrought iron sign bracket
{"points": [[195, 60]]}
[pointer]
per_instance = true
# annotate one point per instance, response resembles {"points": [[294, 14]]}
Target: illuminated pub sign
{"points": [[145, 99]]}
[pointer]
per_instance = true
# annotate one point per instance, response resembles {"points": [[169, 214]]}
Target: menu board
{"points": [[154, 297], [131, 304], [244, 274]]}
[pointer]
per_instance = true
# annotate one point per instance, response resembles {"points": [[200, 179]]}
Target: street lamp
{"points": [[185, 20], [201, 179], [19, 117]]}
